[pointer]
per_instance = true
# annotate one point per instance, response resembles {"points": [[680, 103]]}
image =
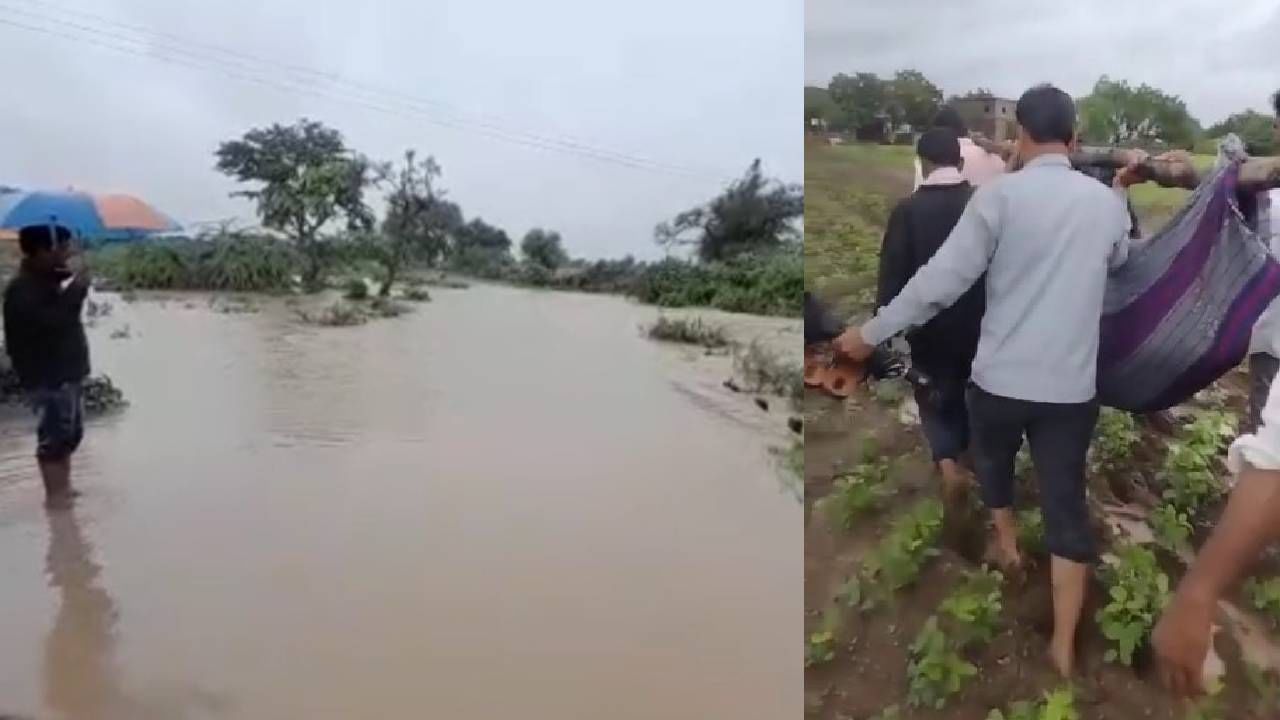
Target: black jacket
{"points": [[917, 227], [42, 330]]}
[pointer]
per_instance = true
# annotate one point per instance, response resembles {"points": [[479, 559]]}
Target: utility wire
{"points": [[237, 69]]}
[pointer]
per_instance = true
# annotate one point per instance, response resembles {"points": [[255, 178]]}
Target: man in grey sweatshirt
{"points": [[1046, 237]]}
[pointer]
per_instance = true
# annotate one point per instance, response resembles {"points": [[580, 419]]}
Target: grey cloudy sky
{"points": [[704, 86], [1219, 61]]}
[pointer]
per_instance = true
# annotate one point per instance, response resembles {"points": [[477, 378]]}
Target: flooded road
{"points": [[505, 504]]}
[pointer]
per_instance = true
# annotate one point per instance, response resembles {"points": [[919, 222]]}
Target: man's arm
{"points": [[951, 271], [1250, 522], [895, 258]]}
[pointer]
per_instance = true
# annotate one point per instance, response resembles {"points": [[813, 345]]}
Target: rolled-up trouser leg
{"points": [[1059, 435]]}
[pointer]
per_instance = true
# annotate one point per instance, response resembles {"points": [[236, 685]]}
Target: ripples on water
{"points": [[496, 506]]}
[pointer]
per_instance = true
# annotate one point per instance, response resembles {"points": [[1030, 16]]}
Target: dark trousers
{"points": [[1059, 434], [944, 412], [1262, 371]]}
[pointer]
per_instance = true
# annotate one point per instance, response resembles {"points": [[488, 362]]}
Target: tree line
{"points": [[309, 186], [1115, 112]]}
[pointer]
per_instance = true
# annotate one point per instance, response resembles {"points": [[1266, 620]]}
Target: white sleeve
{"points": [[1261, 449]]}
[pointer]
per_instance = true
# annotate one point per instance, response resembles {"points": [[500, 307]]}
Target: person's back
{"points": [[1046, 280], [1045, 237], [922, 222]]}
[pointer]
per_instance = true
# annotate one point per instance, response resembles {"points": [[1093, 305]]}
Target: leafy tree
{"points": [[543, 249], [418, 223], [860, 97], [913, 99], [481, 249], [1254, 128], [1116, 112], [306, 178], [754, 213], [818, 104]]}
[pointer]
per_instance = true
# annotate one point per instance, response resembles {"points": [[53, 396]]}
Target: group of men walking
{"points": [[997, 277]]}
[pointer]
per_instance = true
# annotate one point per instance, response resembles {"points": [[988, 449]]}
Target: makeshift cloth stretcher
{"points": [[1178, 315]]}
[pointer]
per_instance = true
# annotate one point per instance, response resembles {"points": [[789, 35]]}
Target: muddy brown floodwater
{"points": [[506, 504]]}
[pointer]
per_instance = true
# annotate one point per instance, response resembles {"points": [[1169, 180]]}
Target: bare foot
{"points": [[62, 500], [1006, 558], [1063, 658]]}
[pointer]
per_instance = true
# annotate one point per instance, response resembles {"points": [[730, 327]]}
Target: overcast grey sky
{"points": [[1219, 61], [704, 86]]}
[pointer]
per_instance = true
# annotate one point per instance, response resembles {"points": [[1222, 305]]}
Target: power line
{"points": [[166, 52], [313, 74], [185, 57]]}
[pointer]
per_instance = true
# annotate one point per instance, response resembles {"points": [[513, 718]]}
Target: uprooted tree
{"points": [[306, 180], [755, 213]]}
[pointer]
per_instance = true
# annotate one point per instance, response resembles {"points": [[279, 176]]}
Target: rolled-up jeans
{"points": [[1059, 435]]}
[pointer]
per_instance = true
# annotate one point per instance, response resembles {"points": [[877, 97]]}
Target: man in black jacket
{"points": [[943, 348], [46, 342]]}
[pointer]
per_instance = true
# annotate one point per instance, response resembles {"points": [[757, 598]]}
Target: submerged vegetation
{"points": [[688, 331]]}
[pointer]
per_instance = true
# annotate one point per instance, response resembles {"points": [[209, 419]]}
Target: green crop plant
{"points": [[1192, 461], [858, 491], [1172, 527], [1031, 531], [1137, 590], [1264, 596], [936, 671], [1113, 440], [1266, 686], [974, 607], [1056, 705], [896, 562], [820, 648]]}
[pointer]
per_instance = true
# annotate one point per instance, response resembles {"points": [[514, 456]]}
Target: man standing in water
{"points": [[943, 348], [46, 341], [1045, 237]]}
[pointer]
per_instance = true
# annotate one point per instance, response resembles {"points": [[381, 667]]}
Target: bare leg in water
{"points": [[57, 481]]}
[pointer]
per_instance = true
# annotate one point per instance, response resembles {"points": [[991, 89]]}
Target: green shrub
{"points": [[858, 491], [356, 289], [226, 263], [898, 559], [688, 331], [1057, 705], [974, 607], [1264, 596], [763, 371], [1137, 590], [1171, 527], [1113, 440], [417, 294], [935, 671]]}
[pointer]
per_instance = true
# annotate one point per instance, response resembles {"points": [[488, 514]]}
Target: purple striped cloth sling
{"points": [[1178, 315]]}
